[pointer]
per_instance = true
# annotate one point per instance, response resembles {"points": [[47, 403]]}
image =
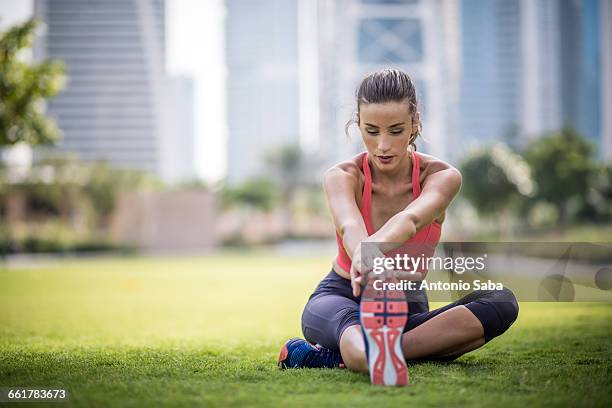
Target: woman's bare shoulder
{"points": [[352, 167], [349, 172], [429, 164]]}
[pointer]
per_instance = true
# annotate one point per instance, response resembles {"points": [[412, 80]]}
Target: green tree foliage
{"points": [[60, 186], [291, 169], [495, 179], [563, 164], [52, 187], [104, 184], [24, 88], [259, 193], [598, 203], [287, 163]]}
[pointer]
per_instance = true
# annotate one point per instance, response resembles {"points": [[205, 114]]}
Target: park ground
{"points": [[205, 331]]}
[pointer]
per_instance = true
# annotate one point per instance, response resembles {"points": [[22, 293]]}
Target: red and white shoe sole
{"points": [[383, 317]]}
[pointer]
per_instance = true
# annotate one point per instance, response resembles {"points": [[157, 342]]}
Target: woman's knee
{"points": [[325, 318], [497, 311], [507, 304]]}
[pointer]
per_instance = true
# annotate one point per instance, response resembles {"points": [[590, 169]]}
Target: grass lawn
{"points": [[206, 331]]}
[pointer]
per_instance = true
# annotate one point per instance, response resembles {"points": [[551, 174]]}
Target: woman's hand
{"points": [[362, 268], [411, 269], [355, 272], [362, 264]]}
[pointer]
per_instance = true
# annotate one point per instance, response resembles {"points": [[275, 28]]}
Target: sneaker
{"points": [[298, 353], [383, 316]]}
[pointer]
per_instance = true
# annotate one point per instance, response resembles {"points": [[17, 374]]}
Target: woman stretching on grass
{"points": [[389, 194]]}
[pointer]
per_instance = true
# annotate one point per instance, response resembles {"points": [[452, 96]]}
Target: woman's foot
{"points": [[383, 316], [298, 353]]}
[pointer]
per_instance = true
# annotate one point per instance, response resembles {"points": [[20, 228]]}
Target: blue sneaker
{"points": [[298, 353]]}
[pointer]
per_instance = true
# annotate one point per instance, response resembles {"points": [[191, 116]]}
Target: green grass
{"points": [[206, 331]]}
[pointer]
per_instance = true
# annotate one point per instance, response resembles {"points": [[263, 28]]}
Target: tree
{"points": [[598, 204], [496, 180], [289, 168], [24, 88], [562, 163], [104, 183], [259, 194]]}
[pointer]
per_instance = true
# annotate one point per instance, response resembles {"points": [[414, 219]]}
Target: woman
{"points": [[389, 194]]}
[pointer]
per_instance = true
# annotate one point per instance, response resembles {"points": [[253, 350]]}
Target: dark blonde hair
{"points": [[386, 85]]}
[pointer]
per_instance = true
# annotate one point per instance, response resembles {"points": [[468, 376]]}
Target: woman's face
{"points": [[386, 129]]}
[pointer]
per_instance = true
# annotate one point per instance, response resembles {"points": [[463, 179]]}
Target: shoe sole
{"points": [[383, 316]]}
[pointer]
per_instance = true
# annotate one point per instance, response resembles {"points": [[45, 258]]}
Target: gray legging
{"points": [[332, 308]]}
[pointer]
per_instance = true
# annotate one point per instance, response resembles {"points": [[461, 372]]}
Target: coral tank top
{"points": [[429, 234]]}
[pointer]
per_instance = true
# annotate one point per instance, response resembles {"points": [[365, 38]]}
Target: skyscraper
{"points": [[262, 82], [112, 108], [541, 98], [588, 120], [605, 27], [562, 44], [530, 68], [490, 67], [179, 151]]}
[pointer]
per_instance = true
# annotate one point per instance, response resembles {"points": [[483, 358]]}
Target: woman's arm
{"points": [[442, 182], [340, 183]]}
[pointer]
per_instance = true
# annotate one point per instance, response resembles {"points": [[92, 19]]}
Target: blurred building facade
{"points": [[540, 76], [166, 220], [490, 70], [113, 106], [606, 75], [580, 62], [532, 67], [262, 82], [562, 86], [180, 147]]}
